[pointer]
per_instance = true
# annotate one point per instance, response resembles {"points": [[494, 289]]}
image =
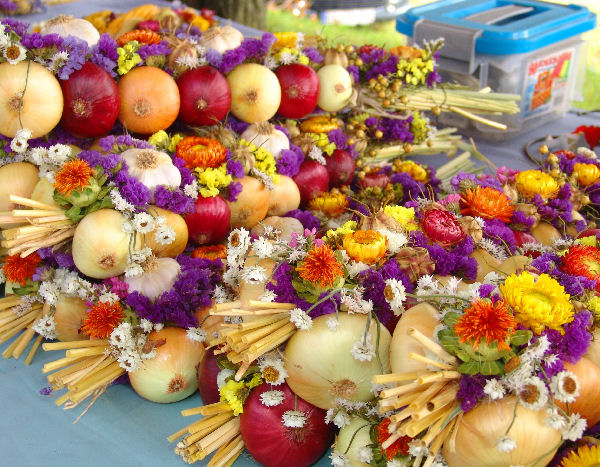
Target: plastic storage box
{"points": [[525, 47]]}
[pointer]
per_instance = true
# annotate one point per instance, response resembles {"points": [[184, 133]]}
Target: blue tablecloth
{"points": [[122, 429]]}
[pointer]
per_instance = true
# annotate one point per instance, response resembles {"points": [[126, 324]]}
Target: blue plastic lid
{"points": [[507, 27]]}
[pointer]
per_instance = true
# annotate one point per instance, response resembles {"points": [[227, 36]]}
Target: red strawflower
{"points": [[101, 319], [583, 260], [19, 270], [590, 133], [398, 446], [442, 227]]}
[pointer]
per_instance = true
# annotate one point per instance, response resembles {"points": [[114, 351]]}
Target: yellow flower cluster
{"points": [[284, 40], [212, 180], [291, 55], [539, 302], [201, 23], [587, 174], [332, 204], [128, 57], [590, 240], [323, 143], [414, 71], [236, 392], [531, 182], [404, 216], [263, 160], [419, 128], [416, 171], [162, 141], [593, 305], [348, 228]]}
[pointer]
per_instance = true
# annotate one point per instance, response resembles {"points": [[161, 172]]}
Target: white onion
{"points": [[351, 438], [255, 92], [321, 367], [100, 246], [335, 88]]}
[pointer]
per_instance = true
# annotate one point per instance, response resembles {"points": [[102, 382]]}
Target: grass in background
{"points": [[384, 34]]}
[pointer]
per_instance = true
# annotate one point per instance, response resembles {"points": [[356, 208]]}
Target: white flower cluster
{"points": [[120, 203], [25, 305], [46, 327], [300, 319], [396, 240], [272, 398], [363, 350], [57, 61], [135, 260], [191, 190], [316, 154], [338, 417], [65, 282], [339, 460], [354, 302], [272, 368], [197, 334], [49, 160], [128, 344], [293, 418], [13, 52], [144, 223], [395, 295], [497, 251]]}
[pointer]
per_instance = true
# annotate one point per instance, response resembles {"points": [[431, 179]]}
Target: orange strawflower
{"points": [[484, 320], [101, 319], [583, 260], [210, 252], [487, 203], [400, 446], [74, 175], [332, 204], [143, 36], [201, 152], [321, 267], [18, 270], [366, 246]]}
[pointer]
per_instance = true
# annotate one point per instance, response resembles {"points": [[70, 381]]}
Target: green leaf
{"points": [[469, 368], [450, 319], [464, 356], [521, 337], [449, 341], [492, 368]]}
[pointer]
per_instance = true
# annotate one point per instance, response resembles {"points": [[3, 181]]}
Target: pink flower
{"points": [[453, 198], [294, 240]]}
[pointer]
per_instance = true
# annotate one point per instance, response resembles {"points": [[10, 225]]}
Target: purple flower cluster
{"points": [[433, 78], [567, 165], [455, 262], [548, 263], [192, 290], [470, 390], [38, 41], [558, 210], [393, 129], [120, 143], [305, 217], [313, 54], [173, 200], [370, 54], [56, 259], [499, 233], [104, 54], [354, 72], [132, 190], [383, 68], [214, 58], [412, 189], [153, 50], [290, 160], [233, 191], [236, 125], [482, 180], [78, 50], [340, 139], [16, 26], [522, 220], [234, 167], [250, 49], [110, 163], [186, 174]]}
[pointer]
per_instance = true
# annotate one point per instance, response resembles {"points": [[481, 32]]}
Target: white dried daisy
{"points": [[300, 319], [272, 369], [196, 334], [555, 419], [272, 398], [574, 428], [164, 235], [339, 460], [237, 244], [293, 418], [267, 296], [254, 274], [363, 350], [565, 386], [263, 247], [316, 154], [341, 419], [45, 327], [365, 454], [143, 222], [494, 389], [395, 295], [333, 323], [108, 297], [134, 270], [506, 444], [15, 53], [533, 393], [396, 240]]}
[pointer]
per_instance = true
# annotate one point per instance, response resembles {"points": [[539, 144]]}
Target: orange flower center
{"points": [[211, 252], [320, 267], [487, 203], [201, 152], [19, 270], [75, 175], [366, 246], [484, 320]]}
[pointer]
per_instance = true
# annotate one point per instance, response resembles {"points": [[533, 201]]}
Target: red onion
{"points": [[207, 371], [209, 223], [273, 444], [589, 233], [379, 179], [205, 96], [340, 166], [91, 101], [523, 237], [312, 179], [299, 90]]}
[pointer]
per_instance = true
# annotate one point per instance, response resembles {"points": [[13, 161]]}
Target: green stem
{"points": [[354, 436], [513, 419], [455, 297], [325, 298]]}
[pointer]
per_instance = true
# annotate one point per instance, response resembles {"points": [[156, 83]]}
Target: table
{"points": [[122, 428]]}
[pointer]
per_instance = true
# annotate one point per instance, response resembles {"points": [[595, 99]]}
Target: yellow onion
{"points": [[39, 109], [586, 404], [255, 92], [69, 315], [320, 364], [545, 233], [422, 317], [335, 88], [44, 193], [285, 225], [351, 438], [158, 277], [481, 428], [18, 178], [67, 25], [171, 375], [252, 203], [593, 352], [486, 263], [285, 197], [177, 223], [100, 247]]}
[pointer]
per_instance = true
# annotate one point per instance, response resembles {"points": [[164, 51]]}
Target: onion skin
{"points": [[205, 96], [149, 100], [312, 180], [209, 223], [356, 432], [42, 105], [44, 193], [335, 88], [17, 178], [68, 316], [285, 197], [207, 372], [481, 428], [545, 233], [178, 224], [91, 103], [285, 225], [299, 90], [340, 167], [252, 204], [171, 375], [273, 444], [255, 92], [586, 404], [321, 368]]}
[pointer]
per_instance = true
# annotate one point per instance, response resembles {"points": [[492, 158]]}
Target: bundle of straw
{"points": [[13, 321]]}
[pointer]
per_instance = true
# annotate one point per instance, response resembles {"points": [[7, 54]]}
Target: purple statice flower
{"points": [[120, 143], [393, 129], [233, 191], [486, 182], [411, 188], [213, 57], [232, 58], [290, 160], [187, 177], [456, 262], [38, 41], [581, 225], [48, 389], [470, 390], [56, 259], [499, 233], [104, 54], [236, 125], [573, 344], [358, 207], [593, 191], [78, 49], [16, 26], [383, 68], [234, 167], [108, 162], [485, 290], [305, 217], [370, 54], [546, 262], [152, 50], [433, 78], [173, 200], [522, 220], [132, 190], [313, 54], [354, 72], [574, 285]]}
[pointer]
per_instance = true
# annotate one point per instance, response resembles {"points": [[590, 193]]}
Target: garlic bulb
{"points": [[100, 247], [158, 277], [67, 25], [222, 39], [265, 135], [152, 168]]}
